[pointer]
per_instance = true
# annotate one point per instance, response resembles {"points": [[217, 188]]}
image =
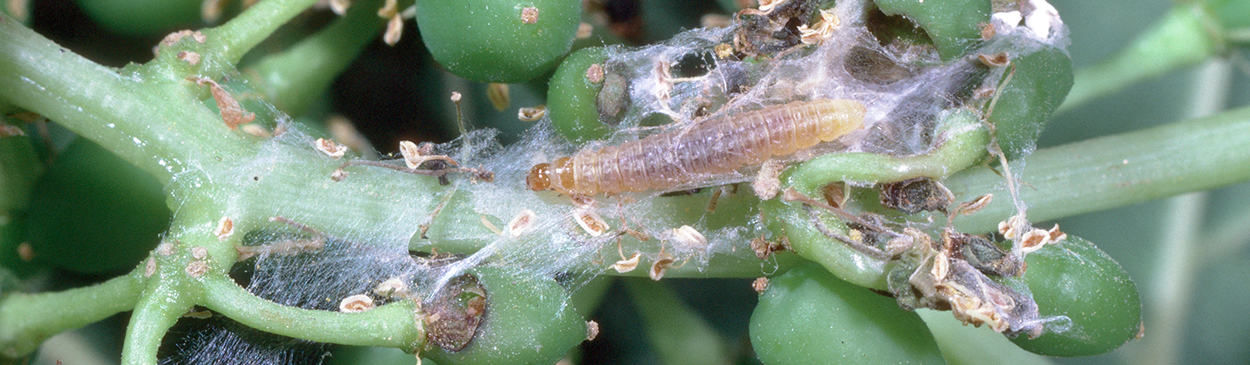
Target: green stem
{"points": [[1178, 260], [28, 319], [233, 39], [159, 307], [391, 325], [1182, 38], [294, 78], [965, 146], [154, 124], [1116, 171]]}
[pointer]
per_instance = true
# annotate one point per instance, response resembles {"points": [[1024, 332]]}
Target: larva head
{"points": [[539, 177], [841, 117]]}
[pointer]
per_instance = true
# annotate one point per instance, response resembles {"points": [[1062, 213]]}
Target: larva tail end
{"points": [[538, 178]]}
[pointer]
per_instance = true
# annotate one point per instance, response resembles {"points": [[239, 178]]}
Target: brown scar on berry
{"points": [[452, 318], [594, 73], [529, 15]]}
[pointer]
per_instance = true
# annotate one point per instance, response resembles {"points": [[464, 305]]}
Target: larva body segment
{"points": [[716, 146]]}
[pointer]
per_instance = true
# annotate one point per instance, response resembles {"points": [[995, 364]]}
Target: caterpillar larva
{"points": [[715, 146]]}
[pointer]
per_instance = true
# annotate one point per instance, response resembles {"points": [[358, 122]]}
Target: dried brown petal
{"points": [[591, 222], [499, 96], [624, 266], [231, 112], [394, 30], [330, 147], [521, 223], [1033, 240], [764, 248], [660, 266], [687, 237], [412, 154], [969, 208], [1055, 235], [340, 7], [532, 113], [356, 304], [394, 287]]}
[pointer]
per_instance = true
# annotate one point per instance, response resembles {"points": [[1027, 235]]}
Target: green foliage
{"points": [[808, 316], [18, 170], [93, 212], [143, 17], [954, 26], [498, 40]]}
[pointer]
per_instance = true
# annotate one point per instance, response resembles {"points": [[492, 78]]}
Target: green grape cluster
{"points": [[837, 304]]}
